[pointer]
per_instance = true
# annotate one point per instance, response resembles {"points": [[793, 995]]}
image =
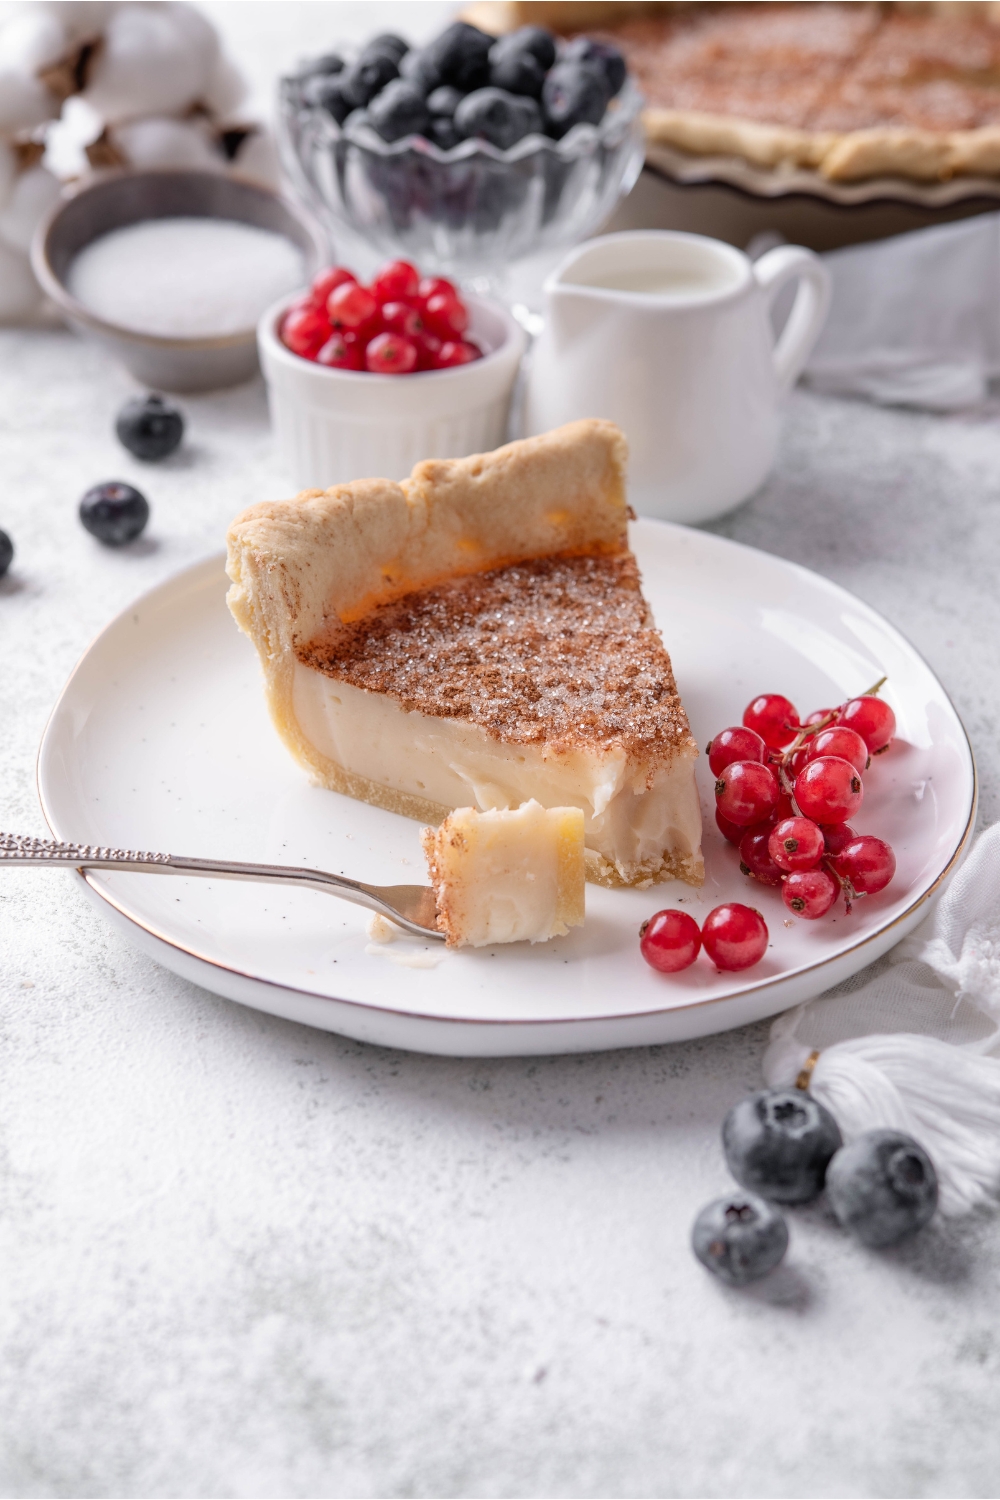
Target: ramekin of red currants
{"points": [[332, 357]]}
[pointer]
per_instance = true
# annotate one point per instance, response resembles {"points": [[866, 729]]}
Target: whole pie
{"points": [[851, 90], [477, 637]]}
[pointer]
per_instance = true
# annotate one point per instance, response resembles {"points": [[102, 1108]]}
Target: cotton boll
{"points": [[154, 60], [33, 195], [165, 143], [257, 158], [32, 41], [66, 140], [226, 88], [20, 294], [24, 101], [199, 36], [84, 20], [8, 172]]}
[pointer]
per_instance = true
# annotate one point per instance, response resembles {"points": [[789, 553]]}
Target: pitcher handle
{"points": [[812, 303]]}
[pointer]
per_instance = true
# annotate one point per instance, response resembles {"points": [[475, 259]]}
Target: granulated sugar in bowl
{"points": [[185, 277]]}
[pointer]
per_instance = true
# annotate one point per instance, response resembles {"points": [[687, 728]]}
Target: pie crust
{"points": [[491, 597], [852, 91]]}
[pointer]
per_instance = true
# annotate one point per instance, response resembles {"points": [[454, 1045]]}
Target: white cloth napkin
{"points": [[915, 319], [915, 1045]]}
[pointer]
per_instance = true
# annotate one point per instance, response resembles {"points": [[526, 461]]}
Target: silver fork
{"points": [[409, 906]]}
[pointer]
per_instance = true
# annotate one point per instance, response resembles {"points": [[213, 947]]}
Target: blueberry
{"points": [[882, 1187], [602, 55], [399, 110], [533, 39], [149, 427], [6, 552], [367, 77], [498, 117], [442, 132], [518, 73], [778, 1143], [329, 63], [388, 42], [574, 93], [418, 68], [114, 512], [325, 92], [740, 1238], [444, 100], [461, 56]]}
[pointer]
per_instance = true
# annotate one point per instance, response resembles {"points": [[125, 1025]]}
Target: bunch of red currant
{"points": [[784, 791], [400, 324]]}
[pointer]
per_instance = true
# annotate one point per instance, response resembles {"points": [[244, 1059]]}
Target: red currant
{"points": [[823, 715], [837, 836], [796, 844], [433, 286], [731, 831], [670, 941], [457, 352], [400, 317], [396, 282], [795, 763], [328, 281], [774, 718], [351, 306], [868, 863], [391, 354], [755, 857], [305, 329], [782, 809], [734, 744], [873, 719], [746, 792], [846, 743], [429, 346], [734, 936], [341, 352], [829, 790], [446, 315], [809, 893]]}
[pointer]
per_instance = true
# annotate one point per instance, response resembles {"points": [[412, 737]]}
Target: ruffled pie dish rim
{"points": [[688, 169]]}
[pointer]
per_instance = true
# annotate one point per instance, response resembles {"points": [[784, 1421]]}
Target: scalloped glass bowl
{"points": [[469, 211]]}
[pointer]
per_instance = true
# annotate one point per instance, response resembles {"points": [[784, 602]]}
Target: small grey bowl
{"points": [[115, 199]]}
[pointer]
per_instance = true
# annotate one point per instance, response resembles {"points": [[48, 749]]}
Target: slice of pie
{"points": [[851, 90], [477, 636], [510, 875]]}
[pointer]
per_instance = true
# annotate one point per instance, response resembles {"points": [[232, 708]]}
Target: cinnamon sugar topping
{"points": [[558, 649]]}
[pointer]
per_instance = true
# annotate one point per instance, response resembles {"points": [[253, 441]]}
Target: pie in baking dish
{"points": [[477, 636], [852, 90]]}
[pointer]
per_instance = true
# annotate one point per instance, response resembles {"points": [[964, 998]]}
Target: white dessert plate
{"points": [[161, 741]]}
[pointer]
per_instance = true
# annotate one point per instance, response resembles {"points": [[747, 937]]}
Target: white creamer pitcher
{"points": [[668, 335]]}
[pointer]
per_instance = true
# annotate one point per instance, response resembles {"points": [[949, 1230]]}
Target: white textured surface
{"points": [[241, 1258], [244, 1258]]}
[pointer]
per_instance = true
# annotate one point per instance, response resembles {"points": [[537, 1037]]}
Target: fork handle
{"points": [[17, 849]]}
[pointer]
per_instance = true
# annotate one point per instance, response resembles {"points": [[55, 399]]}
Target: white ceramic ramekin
{"points": [[336, 425]]}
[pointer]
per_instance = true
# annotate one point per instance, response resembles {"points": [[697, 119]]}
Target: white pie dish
{"points": [[161, 740], [333, 426]]}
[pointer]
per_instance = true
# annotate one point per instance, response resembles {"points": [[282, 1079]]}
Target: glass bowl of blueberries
{"points": [[470, 152]]}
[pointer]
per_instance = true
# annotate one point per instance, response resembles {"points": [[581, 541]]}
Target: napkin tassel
{"points": [[947, 1097]]}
